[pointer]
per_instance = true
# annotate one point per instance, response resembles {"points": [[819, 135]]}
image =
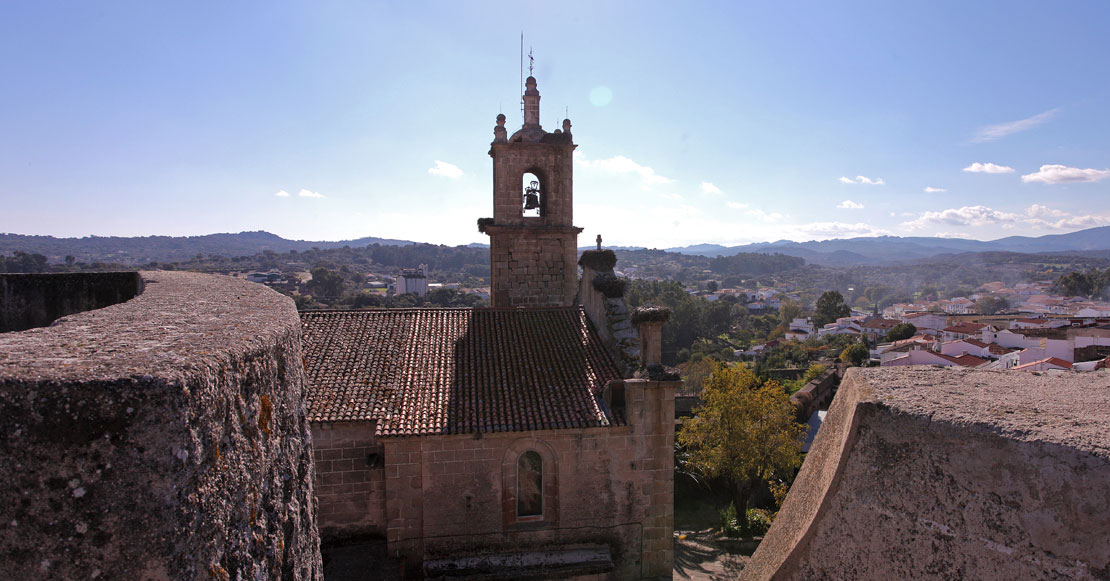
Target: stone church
{"points": [[527, 438]]}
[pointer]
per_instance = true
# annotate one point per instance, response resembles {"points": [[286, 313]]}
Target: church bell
{"points": [[532, 196]]}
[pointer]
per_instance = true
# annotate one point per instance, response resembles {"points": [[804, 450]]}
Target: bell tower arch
{"points": [[533, 240]]}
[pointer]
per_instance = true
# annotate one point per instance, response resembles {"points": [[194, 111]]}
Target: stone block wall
{"points": [[350, 479], [613, 321], [814, 395], [454, 494], [532, 267], [930, 473], [36, 300], [553, 164], [160, 438]]}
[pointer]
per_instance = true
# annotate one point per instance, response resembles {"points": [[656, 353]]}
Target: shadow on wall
{"points": [[36, 300]]}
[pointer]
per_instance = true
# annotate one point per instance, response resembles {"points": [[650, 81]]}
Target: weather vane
{"points": [[531, 61]]}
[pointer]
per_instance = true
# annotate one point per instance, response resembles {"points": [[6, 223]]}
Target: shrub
{"points": [[755, 523], [610, 285], [730, 525]]}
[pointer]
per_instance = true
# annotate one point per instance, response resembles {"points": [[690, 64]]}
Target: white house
{"points": [[925, 357], [413, 281], [926, 322]]}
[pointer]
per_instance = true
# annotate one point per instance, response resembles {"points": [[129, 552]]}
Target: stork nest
{"points": [[651, 315], [599, 260]]}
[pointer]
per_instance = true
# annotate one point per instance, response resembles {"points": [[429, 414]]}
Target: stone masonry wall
{"points": [[613, 322], [553, 164], [350, 479], [532, 267], [447, 495], [927, 473], [161, 438]]}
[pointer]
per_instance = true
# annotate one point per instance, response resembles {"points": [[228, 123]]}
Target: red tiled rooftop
{"points": [[878, 323], [965, 328], [964, 360], [450, 371], [1050, 360]]}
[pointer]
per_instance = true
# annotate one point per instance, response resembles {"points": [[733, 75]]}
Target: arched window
{"points": [[529, 484], [532, 196]]}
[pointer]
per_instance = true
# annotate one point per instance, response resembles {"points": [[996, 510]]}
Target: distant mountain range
{"points": [[139, 250], [877, 250], [839, 252]]}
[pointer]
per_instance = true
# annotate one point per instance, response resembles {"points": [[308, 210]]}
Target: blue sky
{"points": [[696, 122]]}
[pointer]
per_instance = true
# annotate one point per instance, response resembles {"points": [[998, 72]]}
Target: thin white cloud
{"points": [[709, 188], [932, 190], [1071, 222], [992, 132], [620, 165], [1045, 218], [447, 170], [849, 205], [965, 216], [282, 194], [1040, 211], [863, 180], [1062, 174], [764, 216], [309, 194], [737, 205], [824, 230], [671, 196], [988, 168]]}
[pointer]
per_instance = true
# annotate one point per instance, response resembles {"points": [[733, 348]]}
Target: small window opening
{"points": [[529, 484], [532, 196]]}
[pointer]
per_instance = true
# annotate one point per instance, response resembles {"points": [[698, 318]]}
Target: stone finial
{"points": [[599, 241], [500, 134], [531, 102], [566, 126]]}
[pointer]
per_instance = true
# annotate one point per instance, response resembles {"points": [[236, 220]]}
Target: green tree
{"points": [[711, 286], [830, 307], [855, 354], [744, 433], [789, 309], [990, 305], [326, 283], [901, 331]]}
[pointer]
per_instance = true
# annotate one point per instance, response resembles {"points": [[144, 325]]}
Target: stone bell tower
{"points": [[533, 240]]}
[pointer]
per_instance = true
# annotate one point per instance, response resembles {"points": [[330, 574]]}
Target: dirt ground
{"points": [[702, 556], [700, 553]]}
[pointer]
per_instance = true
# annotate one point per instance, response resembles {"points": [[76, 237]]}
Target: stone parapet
{"points": [[160, 438], [928, 473]]}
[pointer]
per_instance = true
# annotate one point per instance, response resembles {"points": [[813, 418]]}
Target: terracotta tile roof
{"points": [[974, 342], [449, 371], [878, 323], [964, 360], [1049, 361], [965, 328], [996, 349]]}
